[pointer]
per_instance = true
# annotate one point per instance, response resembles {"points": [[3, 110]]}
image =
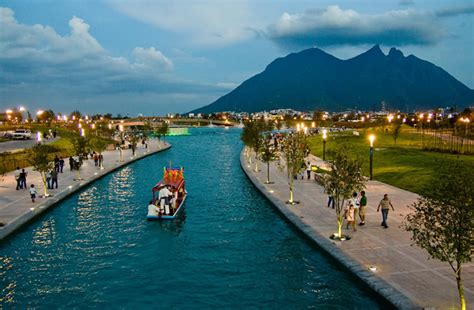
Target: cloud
{"points": [[334, 26], [150, 57], [456, 10], [35, 58], [206, 23]]}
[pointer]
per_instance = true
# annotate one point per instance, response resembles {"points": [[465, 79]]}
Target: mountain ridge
{"points": [[313, 79]]}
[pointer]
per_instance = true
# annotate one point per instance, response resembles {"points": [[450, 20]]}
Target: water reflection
{"points": [[174, 227]]}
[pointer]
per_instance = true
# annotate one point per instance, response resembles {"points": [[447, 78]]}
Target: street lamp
{"points": [[83, 132], [371, 138], [324, 143]]}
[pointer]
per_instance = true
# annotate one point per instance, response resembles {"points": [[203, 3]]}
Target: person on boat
{"points": [[165, 198], [153, 210]]}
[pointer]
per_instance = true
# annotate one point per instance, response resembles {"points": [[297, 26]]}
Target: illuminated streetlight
{"points": [[38, 137], [324, 143], [22, 109], [83, 132], [9, 111], [40, 112], [313, 125], [371, 139]]}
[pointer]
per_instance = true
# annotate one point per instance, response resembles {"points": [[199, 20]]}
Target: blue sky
{"points": [[155, 57]]}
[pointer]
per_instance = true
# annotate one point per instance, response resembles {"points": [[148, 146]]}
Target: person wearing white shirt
{"points": [[164, 197], [153, 210]]}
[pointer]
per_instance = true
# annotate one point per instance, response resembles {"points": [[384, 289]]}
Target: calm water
{"points": [[229, 249]]}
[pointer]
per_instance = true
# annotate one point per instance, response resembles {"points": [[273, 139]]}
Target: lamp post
{"points": [[371, 138], [38, 137], [121, 141], [324, 143]]}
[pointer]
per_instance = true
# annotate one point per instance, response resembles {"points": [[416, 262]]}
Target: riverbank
{"points": [[401, 273], [16, 208]]}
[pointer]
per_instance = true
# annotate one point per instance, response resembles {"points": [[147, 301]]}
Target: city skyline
{"points": [[155, 57]]}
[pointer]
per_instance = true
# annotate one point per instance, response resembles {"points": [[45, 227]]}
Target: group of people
{"points": [[165, 204], [356, 208]]}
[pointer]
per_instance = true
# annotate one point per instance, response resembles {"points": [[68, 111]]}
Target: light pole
{"points": [[324, 143], [121, 141], [371, 138]]}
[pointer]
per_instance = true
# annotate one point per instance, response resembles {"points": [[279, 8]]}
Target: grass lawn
{"points": [[403, 164], [62, 147]]}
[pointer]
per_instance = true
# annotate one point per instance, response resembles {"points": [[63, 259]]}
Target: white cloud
{"points": [[150, 57], [208, 22], [35, 58], [335, 26]]}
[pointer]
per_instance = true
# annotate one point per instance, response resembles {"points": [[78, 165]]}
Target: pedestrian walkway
{"points": [[16, 207], [383, 258]]}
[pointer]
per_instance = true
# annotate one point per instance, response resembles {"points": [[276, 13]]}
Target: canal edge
{"points": [[26, 218], [378, 285]]}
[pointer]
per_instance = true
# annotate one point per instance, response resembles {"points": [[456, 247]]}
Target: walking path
{"points": [[16, 208], [403, 275]]}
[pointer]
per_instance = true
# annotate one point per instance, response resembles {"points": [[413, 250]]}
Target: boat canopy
{"points": [[173, 177]]}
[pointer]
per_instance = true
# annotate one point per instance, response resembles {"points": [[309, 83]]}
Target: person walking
{"points": [[54, 178], [17, 178], [33, 192], [71, 163], [331, 201], [385, 205], [56, 163], [23, 175], [48, 178], [362, 206], [350, 216], [355, 202], [61, 164]]}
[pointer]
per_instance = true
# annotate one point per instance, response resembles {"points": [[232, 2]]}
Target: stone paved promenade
{"points": [[404, 275], [16, 207]]}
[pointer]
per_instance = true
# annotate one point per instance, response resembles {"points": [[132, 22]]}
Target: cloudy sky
{"points": [[160, 56]]}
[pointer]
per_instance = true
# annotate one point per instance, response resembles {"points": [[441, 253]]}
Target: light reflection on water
{"points": [[228, 249]]}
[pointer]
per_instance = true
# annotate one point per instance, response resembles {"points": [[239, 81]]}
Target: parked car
{"points": [[22, 134]]}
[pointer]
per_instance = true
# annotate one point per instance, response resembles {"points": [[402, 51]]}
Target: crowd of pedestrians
{"points": [[52, 175]]}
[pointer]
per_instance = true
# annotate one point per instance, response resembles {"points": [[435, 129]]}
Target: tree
{"points": [[344, 178], [40, 162], [257, 128], [246, 137], [293, 149], [442, 221], [396, 132], [76, 114], [268, 153], [162, 130], [80, 143]]}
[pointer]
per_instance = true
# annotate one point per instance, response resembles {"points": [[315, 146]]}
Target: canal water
{"points": [[229, 249]]}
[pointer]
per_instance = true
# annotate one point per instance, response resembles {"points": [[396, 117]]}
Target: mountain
{"points": [[313, 79]]}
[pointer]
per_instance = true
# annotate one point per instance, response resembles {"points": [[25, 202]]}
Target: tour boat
{"points": [[174, 179]]}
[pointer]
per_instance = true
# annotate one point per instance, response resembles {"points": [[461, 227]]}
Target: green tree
{"points": [[293, 149], [442, 221], [161, 130], [40, 163], [268, 153], [80, 144], [246, 136], [343, 179]]}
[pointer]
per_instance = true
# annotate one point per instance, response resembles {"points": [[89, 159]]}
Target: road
{"points": [[18, 145]]}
